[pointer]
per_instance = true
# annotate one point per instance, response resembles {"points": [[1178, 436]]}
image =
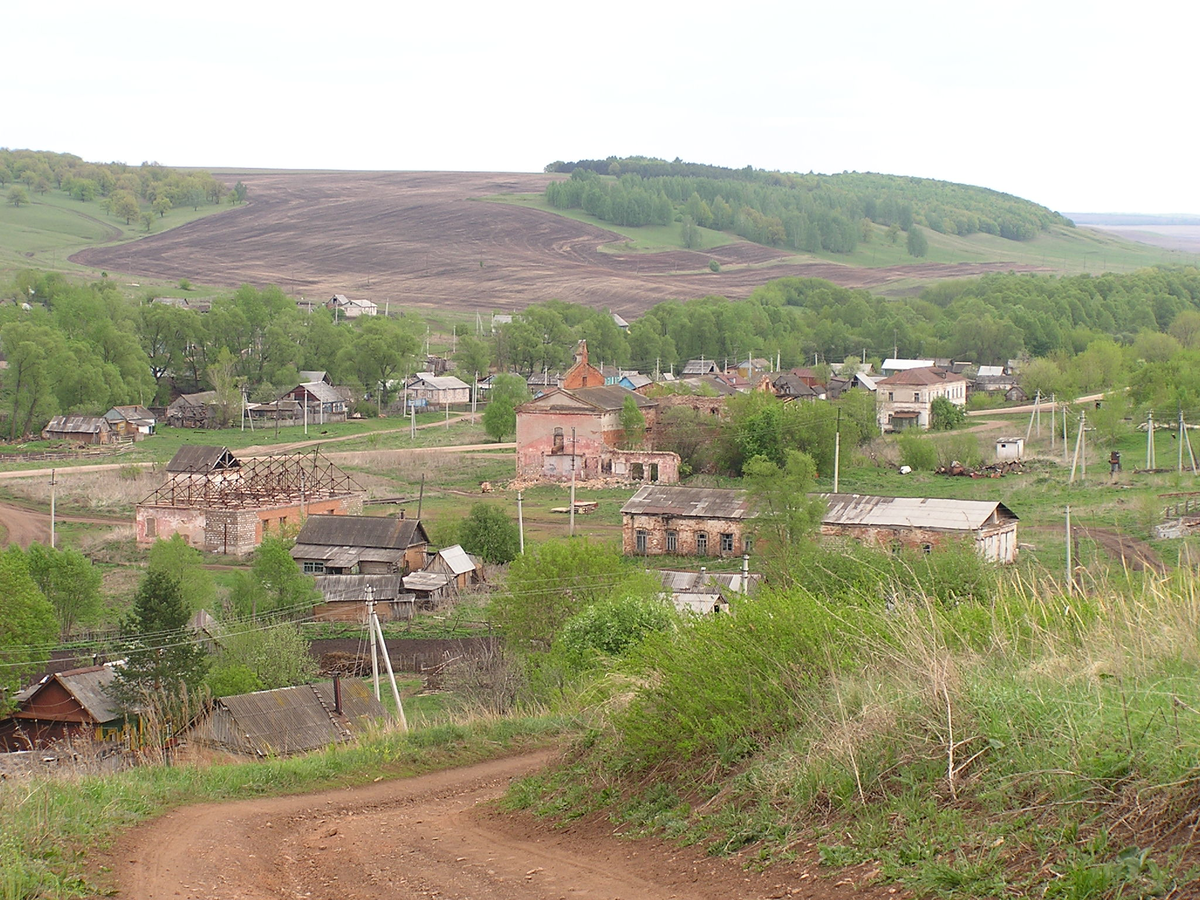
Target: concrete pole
{"points": [[521, 521]]}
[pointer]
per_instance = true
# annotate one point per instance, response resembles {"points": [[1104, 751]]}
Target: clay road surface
{"points": [[429, 836]]}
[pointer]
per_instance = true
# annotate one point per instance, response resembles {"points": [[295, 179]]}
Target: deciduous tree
{"points": [[28, 627]]}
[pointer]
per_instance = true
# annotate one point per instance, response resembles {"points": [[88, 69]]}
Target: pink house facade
{"points": [[580, 431]]}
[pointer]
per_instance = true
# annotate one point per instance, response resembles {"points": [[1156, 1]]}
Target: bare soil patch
{"points": [[425, 239], [1136, 555], [433, 836]]}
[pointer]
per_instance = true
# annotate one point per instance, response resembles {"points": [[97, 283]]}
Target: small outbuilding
{"points": [[79, 430], [63, 705], [1008, 448]]}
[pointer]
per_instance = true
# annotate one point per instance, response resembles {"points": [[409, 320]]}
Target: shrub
{"points": [[917, 451]]}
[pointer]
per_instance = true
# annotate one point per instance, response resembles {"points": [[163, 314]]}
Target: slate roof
{"points": [[78, 425], [705, 503], [199, 458], [700, 366], [310, 375], [292, 719], [134, 414], [86, 686], [319, 391], [203, 398], [384, 532], [353, 588], [457, 559], [915, 512], [893, 364]]}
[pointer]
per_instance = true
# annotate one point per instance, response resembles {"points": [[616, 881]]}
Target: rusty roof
{"points": [[705, 503], [924, 375], [915, 512]]}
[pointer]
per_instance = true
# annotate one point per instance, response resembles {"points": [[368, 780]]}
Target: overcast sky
{"points": [[1081, 106]]}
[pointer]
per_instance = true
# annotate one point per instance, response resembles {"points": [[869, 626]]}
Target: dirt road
{"points": [[430, 836]]}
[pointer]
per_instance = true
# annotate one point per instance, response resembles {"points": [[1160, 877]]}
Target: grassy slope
{"points": [[1065, 250]]}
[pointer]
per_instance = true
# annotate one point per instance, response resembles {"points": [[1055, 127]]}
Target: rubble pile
{"points": [[994, 470]]}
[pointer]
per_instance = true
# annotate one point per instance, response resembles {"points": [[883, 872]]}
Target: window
{"points": [[727, 543], [701, 543], [314, 568], [747, 545], [640, 541], [672, 541], [558, 441], [151, 527]]}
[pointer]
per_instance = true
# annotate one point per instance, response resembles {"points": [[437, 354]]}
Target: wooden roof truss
{"points": [[259, 482]]}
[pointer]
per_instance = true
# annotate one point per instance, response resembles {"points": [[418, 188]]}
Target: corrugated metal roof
{"points": [[897, 364], [361, 531], [438, 382], [708, 503], [78, 425], [456, 559], [199, 458], [914, 512], [425, 582]]}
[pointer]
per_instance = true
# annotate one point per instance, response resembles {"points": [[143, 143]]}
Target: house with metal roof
{"points": [[346, 598], [580, 431], [343, 306], [318, 402], [923, 523], [685, 521], [131, 421], [63, 705], [429, 390], [905, 400], [79, 429], [289, 720], [360, 545]]}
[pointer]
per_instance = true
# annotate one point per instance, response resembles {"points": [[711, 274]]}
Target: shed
{"points": [[80, 429], [345, 598], [131, 421], [430, 588], [464, 570], [60, 705], [1010, 448], [289, 720]]}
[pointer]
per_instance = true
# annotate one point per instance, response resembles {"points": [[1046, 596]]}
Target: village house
{"points": [[347, 598], [131, 422], [685, 521], [288, 720], [198, 410], [580, 431], [222, 504], [346, 308], [923, 523], [360, 545], [79, 430], [437, 391], [463, 569], [706, 592], [63, 705], [905, 400], [318, 402], [700, 366]]}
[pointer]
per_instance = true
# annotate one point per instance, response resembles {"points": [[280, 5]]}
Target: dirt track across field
{"points": [[428, 240], [430, 836]]}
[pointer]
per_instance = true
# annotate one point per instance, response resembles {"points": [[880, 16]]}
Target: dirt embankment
{"points": [[432, 836], [405, 239]]}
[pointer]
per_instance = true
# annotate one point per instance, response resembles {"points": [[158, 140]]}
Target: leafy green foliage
{"points": [[785, 513], [164, 662], [555, 580], [945, 414], [173, 557], [507, 393], [490, 534], [917, 243], [28, 627], [612, 627], [260, 659], [69, 581], [633, 424], [917, 451], [274, 586]]}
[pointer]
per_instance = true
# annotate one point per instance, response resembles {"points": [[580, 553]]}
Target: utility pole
{"points": [[1070, 570], [370, 592], [53, 482], [1150, 440], [837, 450], [573, 466], [378, 644], [521, 521]]}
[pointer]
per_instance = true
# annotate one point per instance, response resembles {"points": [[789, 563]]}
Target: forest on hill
{"points": [[809, 213]]}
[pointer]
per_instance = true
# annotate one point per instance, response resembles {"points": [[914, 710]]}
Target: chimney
{"points": [[337, 694]]}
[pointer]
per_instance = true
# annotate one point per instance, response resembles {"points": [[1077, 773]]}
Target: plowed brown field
{"points": [[427, 239]]}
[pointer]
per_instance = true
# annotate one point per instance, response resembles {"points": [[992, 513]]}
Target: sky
{"points": [[1080, 106]]}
